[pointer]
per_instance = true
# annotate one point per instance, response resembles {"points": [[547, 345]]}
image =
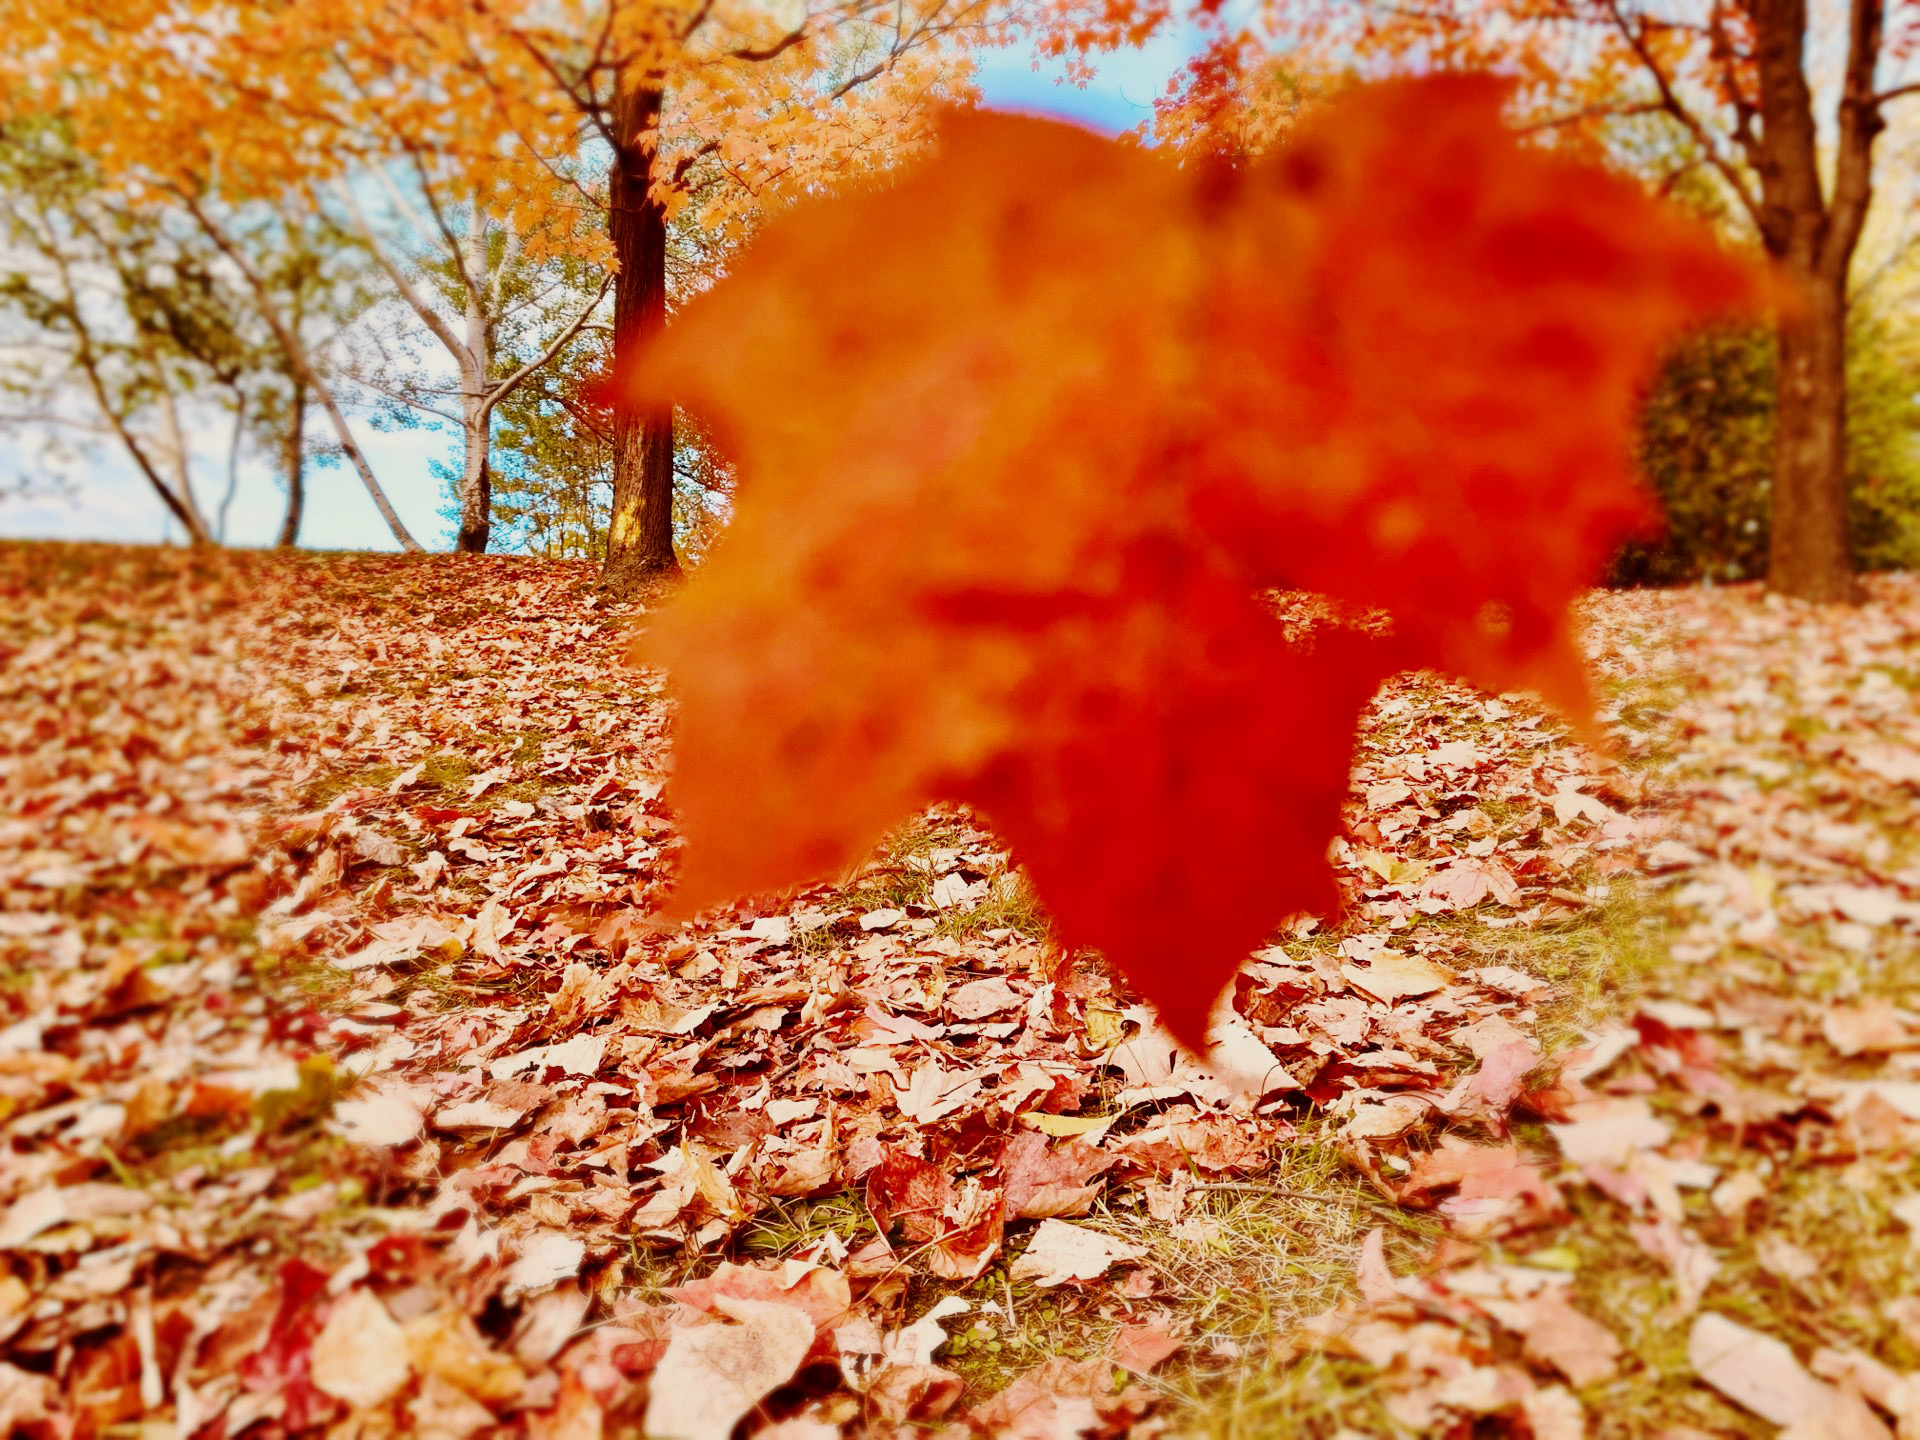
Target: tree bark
{"points": [[640, 533], [295, 461], [1810, 557], [476, 405], [476, 486], [1814, 236]]}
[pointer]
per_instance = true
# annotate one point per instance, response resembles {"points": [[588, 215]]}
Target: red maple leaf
{"points": [[1023, 438]]}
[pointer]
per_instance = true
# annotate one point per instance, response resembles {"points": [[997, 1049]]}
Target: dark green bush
{"points": [[1706, 444]]}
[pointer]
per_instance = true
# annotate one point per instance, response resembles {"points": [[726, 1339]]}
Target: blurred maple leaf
{"points": [[1023, 438]]}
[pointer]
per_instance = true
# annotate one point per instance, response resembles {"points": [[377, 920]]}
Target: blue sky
{"points": [[105, 499]]}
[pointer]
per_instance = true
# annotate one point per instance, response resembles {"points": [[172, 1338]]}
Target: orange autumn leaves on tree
{"points": [[1023, 439]]}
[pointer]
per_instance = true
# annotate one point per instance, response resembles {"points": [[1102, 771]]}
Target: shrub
{"points": [[1706, 443]]}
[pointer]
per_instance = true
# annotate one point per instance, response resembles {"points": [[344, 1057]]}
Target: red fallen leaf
{"points": [[821, 1294], [284, 1364], [1496, 1189], [1141, 1347], [1010, 484], [103, 1384], [954, 1230], [401, 1257], [1044, 1181], [906, 1188]]}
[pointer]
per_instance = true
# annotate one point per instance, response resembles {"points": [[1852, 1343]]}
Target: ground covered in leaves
{"points": [[346, 1084]]}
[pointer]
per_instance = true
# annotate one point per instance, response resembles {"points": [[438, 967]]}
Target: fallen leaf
{"points": [[493, 924], [1465, 884], [1557, 1334], [360, 1354], [979, 998], [915, 1345], [1609, 1131], [1553, 1413], [1059, 1252], [1757, 1372], [1391, 976], [40, 1210], [1141, 1347], [478, 1115], [1495, 1187], [1052, 1401], [446, 1412], [822, 1295], [1043, 1181], [714, 1374], [387, 1120], [447, 1345], [1385, 1119], [26, 1399], [1871, 1025], [546, 1258]]}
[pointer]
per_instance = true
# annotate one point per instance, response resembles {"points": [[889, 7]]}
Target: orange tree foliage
{"points": [[262, 101], [516, 107], [1011, 488]]}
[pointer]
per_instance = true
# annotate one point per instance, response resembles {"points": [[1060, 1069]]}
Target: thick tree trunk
{"points": [[640, 534], [295, 461], [1810, 557], [1813, 231]]}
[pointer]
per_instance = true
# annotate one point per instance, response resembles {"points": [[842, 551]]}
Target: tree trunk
{"points": [[1813, 234], [476, 406], [640, 533], [1810, 557], [476, 485], [295, 461]]}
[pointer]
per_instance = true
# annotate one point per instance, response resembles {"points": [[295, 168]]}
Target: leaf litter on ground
{"points": [[344, 1079]]}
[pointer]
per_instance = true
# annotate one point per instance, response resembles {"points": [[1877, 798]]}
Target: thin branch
{"points": [[302, 366], [1670, 102], [429, 317], [1594, 112], [507, 386], [771, 52], [1860, 123], [180, 507]]}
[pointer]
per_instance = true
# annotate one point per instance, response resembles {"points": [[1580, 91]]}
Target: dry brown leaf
{"points": [[1872, 1025], [447, 1345], [713, 1374], [360, 1354], [1059, 1252], [1757, 1372], [1391, 976]]}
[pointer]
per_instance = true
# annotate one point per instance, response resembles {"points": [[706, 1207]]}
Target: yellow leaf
{"points": [[1061, 1126]]}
